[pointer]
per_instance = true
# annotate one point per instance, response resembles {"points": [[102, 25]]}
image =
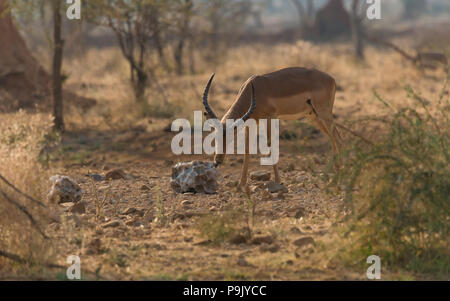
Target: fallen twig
{"points": [[24, 211], [17, 258], [22, 193]]}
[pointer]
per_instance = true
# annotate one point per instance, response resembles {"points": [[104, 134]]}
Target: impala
{"points": [[288, 94]]}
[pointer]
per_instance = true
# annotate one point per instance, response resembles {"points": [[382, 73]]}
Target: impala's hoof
{"points": [[244, 188]]}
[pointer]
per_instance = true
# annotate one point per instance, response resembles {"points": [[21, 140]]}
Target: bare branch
{"points": [[20, 192], [24, 211]]}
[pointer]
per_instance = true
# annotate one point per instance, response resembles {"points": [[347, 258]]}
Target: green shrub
{"points": [[397, 191]]}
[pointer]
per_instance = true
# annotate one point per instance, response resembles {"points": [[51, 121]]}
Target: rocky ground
{"points": [[130, 224]]}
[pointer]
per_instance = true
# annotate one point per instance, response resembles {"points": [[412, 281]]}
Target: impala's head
{"points": [[220, 156]]}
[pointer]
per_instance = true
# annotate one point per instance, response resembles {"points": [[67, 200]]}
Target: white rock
{"points": [[64, 190], [195, 176]]}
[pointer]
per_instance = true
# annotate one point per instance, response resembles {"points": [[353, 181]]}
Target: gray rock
{"points": [[129, 210], [64, 190], [238, 239], [195, 176], [300, 213], [260, 175], [262, 239], [115, 174], [304, 241], [269, 248], [273, 187], [96, 177]]}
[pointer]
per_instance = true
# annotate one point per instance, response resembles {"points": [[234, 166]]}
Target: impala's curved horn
{"points": [[252, 106], [205, 98]]}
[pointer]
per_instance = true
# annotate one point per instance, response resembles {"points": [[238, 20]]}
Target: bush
{"points": [[220, 227], [397, 191], [158, 109], [22, 137]]}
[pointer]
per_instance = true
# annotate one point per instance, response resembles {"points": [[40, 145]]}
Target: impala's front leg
{"points": [[244, 173]]}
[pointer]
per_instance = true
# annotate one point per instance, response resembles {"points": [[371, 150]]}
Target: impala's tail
{"points": [[353, 133]]}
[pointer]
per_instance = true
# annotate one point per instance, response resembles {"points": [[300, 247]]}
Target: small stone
{"points": [[112, 224], [295, 230], [195, 176], [300, 213], [64, 190], [260, 175], [79, 208], [157, 246], [96, 177], [238, 239], [269, 248], [304, 241], [262, 239], [145, 188], [273, 187], [129, 210], [115, 174], [289, 262]]}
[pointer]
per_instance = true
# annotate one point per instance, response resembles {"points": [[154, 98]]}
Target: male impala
{"points": [[288, 94]]}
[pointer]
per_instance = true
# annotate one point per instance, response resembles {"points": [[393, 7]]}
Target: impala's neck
{"points": [[241, 104]]}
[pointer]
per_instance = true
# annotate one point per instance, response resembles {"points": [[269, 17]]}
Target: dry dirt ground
{"points": [[149, 242]]}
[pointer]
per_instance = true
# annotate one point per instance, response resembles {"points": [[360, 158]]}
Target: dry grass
{"points": [[21, 140]]}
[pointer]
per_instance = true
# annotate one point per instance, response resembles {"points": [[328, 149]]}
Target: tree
{"points": [[414, 8], [58, 45], [332, 20], [185, 11], [357, 27], [306, 17], [23, 81], [225, 20], [139, 26]]}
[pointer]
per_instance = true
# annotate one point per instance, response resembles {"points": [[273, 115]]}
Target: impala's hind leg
{"points": [[269, 140], [324, 122]]}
